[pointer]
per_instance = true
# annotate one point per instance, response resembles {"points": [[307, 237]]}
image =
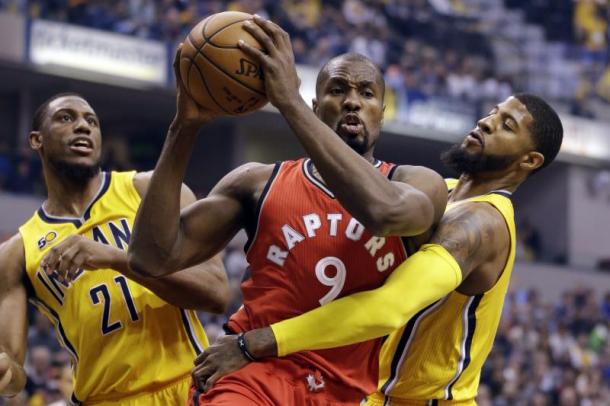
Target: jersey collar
{"points": [[86, 215], [309, 175]]}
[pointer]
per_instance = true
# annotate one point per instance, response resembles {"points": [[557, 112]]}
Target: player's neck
{"points": [[472, 185], [69, 199]]}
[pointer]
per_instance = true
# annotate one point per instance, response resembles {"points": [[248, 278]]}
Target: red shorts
{"points": [[276, 382]]}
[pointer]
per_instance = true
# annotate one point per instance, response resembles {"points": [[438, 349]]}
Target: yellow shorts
{"points": [[170, 395], [377, 399]]}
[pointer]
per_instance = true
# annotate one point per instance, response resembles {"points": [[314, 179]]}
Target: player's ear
{"points": [[35, 139], [382, 115], [314, 105], [532, 161]]}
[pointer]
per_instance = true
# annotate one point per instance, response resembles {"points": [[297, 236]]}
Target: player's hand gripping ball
{"points": [[217, 74]]}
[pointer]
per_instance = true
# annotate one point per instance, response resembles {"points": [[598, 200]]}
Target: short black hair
{"points": [[41, 111], [546, 129], [350, 57]]}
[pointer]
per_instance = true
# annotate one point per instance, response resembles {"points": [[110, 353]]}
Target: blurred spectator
{"points": [[529, 241], [42, 334], [64, 385], [541, 356], [26, 173], [38, 369], [6, 166], [371, 44], [590, 22]]}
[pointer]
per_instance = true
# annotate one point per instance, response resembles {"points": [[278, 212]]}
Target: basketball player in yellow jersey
{"points": [[442, 306], [131, 340]]}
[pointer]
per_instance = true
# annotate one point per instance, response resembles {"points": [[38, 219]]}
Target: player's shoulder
{"points": [[476, 213], [14, 243], [246, 179], [12, 255], [414, 173], [141, 180]]}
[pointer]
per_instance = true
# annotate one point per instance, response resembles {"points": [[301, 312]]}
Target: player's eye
{"points": [[92, 121], [66, 118], [335, 91], [368, 94], [506, 126]]}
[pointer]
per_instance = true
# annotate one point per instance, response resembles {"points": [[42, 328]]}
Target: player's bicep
{"points": [[208, 225], [469, 233]]}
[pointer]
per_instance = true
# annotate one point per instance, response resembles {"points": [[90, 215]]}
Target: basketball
{"points": [[217, 74]]}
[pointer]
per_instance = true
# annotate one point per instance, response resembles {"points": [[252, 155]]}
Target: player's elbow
{"points": [[221, 295], [144, 265], [220, 300], [408, 217]]}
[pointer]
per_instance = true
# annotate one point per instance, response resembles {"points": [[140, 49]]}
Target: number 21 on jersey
{"points": [[100, 294]]}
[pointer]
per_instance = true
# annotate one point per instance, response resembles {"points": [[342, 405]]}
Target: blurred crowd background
{"points": [[462, 54]]}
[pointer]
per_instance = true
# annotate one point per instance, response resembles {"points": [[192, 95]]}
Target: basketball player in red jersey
{"points": [[305, 246]]}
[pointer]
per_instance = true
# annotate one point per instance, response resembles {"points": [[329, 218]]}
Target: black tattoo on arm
{"points": [[468, 233]]}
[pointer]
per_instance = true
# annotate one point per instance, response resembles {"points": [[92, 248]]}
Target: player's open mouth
{"points": [[82, 146], [351, 124], [476, 137]]}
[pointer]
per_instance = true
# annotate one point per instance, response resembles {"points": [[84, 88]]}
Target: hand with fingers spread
{"points": [[281, 79], [77, 252], [216, 361], [188, 112]]}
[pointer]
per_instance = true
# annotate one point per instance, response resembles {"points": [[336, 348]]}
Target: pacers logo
{"points": [[49, 237]]}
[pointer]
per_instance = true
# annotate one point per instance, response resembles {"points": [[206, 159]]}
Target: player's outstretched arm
{"points": [[163, 239], [468, 238], [383, 206], [13, 317], [203, 286]]}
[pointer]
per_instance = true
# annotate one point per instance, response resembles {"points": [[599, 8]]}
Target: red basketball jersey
{"points": [[305, 251]]}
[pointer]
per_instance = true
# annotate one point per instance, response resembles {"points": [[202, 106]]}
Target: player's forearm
{"points": [[364, 191], [156, 232], [191, 289], [421, 280], [201, 287]]}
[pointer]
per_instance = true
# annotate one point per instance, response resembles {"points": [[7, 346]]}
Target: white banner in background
{"points": [[96, 51], [585, 138]]}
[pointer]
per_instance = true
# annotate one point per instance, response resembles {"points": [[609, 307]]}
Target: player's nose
{"points": [[82, 126], [352, 101], [484, 125]]}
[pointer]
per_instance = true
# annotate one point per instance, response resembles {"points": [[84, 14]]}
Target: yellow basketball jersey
{"points": [[437, 356], [123, 338]]}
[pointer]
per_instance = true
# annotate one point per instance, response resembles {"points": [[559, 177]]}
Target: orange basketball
{"points": [[215, 71]]}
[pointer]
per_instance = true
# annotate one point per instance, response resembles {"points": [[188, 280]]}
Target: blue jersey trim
{"points": [[190, 332], [47, 218]]}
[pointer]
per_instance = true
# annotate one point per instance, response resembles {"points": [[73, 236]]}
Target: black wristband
{"points": [[241, 343]]}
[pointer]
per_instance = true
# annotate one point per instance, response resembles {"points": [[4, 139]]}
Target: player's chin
{"points": [[358, 144], [88, 161]]}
